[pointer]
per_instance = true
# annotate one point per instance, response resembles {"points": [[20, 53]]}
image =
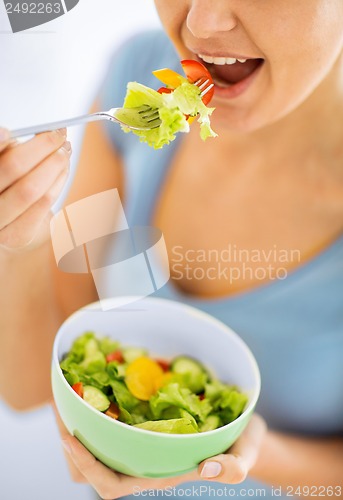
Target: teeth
{"points": [[220, 60]]}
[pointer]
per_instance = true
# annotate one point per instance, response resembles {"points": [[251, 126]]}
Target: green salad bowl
{"points": [[166, 329]]}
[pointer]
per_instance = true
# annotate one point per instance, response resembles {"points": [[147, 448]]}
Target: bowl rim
{"points": [[192, 310]]}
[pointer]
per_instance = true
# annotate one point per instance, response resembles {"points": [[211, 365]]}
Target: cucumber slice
{"points": [[193, 373], [212, 422], [132, 353], [184, 364], [96, 398]]}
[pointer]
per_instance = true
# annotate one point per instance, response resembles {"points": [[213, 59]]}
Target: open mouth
{"points": [[228, 71]]}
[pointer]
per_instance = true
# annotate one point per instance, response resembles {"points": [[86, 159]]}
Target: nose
{"points": [[208, 17]]}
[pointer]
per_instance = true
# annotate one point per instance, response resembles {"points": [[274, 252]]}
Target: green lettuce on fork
{"points": [[177, 104]]}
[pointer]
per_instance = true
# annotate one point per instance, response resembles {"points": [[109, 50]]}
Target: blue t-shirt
{"points": [[294, 326]]}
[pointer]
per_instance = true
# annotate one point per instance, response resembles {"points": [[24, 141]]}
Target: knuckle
{"points": [[12, 165], [47, 200], [86, 465], [13, 240], [53, 139], [62, 158], [27, 193], [77, 477]]}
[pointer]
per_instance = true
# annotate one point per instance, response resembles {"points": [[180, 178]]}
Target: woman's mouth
{"points": [[231, 76]]}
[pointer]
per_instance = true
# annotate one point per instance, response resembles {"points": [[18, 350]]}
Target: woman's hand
{"points": [[32, 175], [229, 468]]}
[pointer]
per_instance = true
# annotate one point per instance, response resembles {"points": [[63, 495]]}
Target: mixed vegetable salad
{"points": [[178, 104], [177, 397]]}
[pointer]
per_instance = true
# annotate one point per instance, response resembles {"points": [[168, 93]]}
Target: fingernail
{"points": [[211, 469], [66, 446], [67, 146], [4, 135]]}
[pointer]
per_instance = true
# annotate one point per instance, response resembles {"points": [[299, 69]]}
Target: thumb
{"points": [[233, 467], [5, 138]]}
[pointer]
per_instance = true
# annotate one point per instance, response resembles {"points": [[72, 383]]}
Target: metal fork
{"points": [[148, 117]]}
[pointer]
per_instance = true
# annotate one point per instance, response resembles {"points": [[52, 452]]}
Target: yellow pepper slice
{"points": [[163, 380], [142, 377], [169, 77]]}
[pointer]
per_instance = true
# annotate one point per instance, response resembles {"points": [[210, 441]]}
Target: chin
{"points": [[237, 121]]}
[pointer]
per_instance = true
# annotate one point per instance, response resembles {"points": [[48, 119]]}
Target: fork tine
{"points": [[203, 85], [207, 89], [154, 123], [149, 113]]}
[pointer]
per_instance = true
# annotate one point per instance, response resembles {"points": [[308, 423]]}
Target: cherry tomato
{"points": [[113, 411], [163, 364], [195, 71], [164, 90], [115, 356], [78, 388]]}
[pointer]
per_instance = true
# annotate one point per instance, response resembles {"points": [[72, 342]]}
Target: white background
{"points": [[49, 73]]}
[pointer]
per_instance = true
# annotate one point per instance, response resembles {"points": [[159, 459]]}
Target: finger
{"points": [[103, 479], [20, 233], [28, 190], [17, 161], [233, 467], [4, 138], [110, 484], [73, 470]]}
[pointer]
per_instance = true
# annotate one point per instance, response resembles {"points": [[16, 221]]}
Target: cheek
{"points": [[301, 47]]}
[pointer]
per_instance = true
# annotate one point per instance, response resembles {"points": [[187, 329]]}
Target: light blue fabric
{"points": [[293, 326]]}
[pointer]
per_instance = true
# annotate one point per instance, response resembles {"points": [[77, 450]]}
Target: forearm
{"points": [[287, 460], [28, 322]]}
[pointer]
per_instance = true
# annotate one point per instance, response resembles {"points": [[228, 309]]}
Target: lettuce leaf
{"points": [[172, 426], [123, 396], [228, 403], [172, 108], [174, 395]]}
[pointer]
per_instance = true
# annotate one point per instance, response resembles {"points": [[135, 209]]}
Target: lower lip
{"points": [[237, 89]]}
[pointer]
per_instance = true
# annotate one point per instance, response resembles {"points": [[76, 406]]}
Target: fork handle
{"points": [[47, 127]]}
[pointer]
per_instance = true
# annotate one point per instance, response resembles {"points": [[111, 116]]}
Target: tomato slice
{"points": [[115, 356], [163, 364], [113, 411], [165, 90], [78, 388], [195, 71]]}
